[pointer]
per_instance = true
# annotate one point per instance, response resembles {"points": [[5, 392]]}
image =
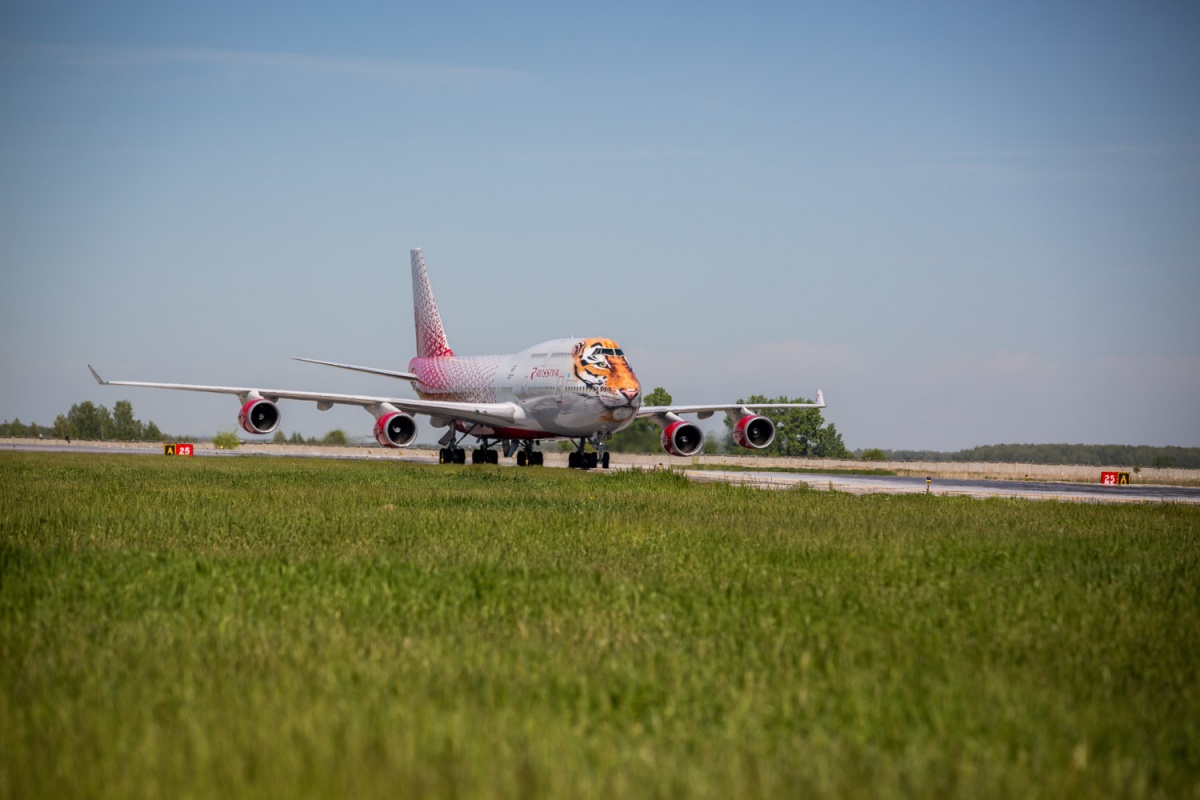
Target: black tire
{"points": [[604, 460], [460, 456], [538, 459], [521, 458]]}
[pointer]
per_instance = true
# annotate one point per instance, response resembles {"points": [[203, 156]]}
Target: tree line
{"points": [[87, 420]]}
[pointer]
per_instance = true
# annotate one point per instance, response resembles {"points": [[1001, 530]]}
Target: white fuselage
{"points": [[562, 387]]}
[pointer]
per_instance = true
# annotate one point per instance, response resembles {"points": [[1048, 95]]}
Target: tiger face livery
{"points": [[600, 364]]}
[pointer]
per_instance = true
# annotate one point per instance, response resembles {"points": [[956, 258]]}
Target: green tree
{"points": [[151, 433], [124, 427], [335, 438], [799, 432], [87, 420], [296, 438], [643, 436], [61, 429], [280, 438]]}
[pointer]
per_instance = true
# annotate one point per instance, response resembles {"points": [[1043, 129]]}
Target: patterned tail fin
{"points": [[431, 337]]}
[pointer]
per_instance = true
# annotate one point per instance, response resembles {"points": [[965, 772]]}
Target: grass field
{"points": [[217, 627]]}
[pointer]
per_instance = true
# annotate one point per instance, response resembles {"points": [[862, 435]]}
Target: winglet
{"points": [[96, 375], [820, 399]]}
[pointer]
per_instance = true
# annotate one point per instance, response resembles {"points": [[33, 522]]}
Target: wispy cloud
{"points": [[379, 69]]}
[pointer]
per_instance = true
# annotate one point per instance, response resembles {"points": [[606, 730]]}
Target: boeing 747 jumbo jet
{"points": [[577, 389]]}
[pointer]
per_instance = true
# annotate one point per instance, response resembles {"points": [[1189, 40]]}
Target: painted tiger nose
{"points": [[631, 394]]}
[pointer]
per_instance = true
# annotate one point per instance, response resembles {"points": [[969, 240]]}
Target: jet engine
{"points": [[682, 438], [396, 429], [259, 416], [754, 432]]}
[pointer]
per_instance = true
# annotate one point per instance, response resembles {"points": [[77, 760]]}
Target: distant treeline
{"points": [[1098, 455], [89, 421]]}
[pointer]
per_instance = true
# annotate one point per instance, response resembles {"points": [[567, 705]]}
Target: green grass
{"points": [[216, 627]]}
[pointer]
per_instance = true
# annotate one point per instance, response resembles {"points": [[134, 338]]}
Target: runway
{"points": [[839, 482], [874, 484]]}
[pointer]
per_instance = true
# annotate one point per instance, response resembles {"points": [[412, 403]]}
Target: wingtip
{"points": [[96, 375], [820, 399]]}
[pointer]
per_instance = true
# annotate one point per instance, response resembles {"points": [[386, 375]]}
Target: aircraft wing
{"points": [[733, 409], [490, 414]]}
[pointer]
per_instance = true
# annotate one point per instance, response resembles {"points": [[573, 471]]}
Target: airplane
{"points": [[579, 389]]}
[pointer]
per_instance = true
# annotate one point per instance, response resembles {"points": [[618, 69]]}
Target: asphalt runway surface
{"points": [[1028, 490], [854, 484]]}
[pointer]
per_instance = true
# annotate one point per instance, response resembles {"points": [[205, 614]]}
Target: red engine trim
{"points": [[682, 438], [259, 416], [754, 432], [396, 429]]}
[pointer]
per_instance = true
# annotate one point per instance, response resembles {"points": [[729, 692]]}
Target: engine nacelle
{"points": [[396, 429], [259, 416], [682, 438], [754, 432]]}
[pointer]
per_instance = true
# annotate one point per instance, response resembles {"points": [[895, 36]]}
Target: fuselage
{"points": [[565, 387]]}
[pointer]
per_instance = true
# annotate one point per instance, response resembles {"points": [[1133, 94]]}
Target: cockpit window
{"points": [[611, 351]]}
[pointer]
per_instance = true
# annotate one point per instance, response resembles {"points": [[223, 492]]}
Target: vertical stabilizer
{"points": [[431, 337]]}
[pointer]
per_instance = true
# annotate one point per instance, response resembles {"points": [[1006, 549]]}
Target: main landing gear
{"points": [[528, 457], [484, 455], [479, 455], [583, 460], [453, 453], [523, 448]]}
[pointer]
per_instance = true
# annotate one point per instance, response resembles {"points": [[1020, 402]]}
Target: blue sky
{"points": [[967, 223]]}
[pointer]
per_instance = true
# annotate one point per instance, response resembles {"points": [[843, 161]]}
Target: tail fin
{"points": [[431, 337]]}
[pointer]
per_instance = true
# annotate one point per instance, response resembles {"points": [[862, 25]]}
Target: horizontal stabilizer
{"points": [[390, 373]]}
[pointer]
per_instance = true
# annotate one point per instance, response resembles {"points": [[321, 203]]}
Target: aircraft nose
{"points": [[631, 394]]}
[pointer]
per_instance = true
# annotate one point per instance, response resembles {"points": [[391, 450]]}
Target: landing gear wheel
{"points": [[521, 460], [581, 460], [538, 459], [460, 456], [604, 460], [492, 457]]}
